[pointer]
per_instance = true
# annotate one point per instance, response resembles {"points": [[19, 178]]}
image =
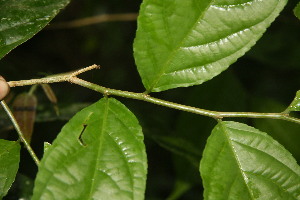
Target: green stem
{"points": [[18, 129], [72, 77], [209, 113], [143, 97]]}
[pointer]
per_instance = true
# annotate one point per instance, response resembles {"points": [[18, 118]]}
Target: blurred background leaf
{"points": [[21, 188], [297, 10], [20, 20]]}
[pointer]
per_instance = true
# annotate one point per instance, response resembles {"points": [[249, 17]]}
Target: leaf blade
{"points": [[263, 168], [113, 159], [21, 20], [211, 37], [9, 164]]}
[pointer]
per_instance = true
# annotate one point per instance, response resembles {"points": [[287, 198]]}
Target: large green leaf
{"points": [[22, 19], [9, 164], [241, 162], [181, 43], [99, 154]]}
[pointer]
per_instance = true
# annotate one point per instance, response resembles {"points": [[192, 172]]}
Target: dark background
{"points": [[265, 80]]}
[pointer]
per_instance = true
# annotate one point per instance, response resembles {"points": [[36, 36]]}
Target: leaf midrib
{"points": [[168, 60], [226, 133], [92, 188]]}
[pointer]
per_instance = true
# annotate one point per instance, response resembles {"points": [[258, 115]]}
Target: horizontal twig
{"points": [[72, 77]]}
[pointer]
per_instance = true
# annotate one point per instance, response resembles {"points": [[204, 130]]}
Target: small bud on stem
{"points": [[4, 88]]}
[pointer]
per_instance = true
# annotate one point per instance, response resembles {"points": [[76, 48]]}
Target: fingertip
{"points": [[4, 88]]}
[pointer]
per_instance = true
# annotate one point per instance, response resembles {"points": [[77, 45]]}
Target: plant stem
{"points": [[199, 111], [72, 77], [94, 20], [21, 136]]}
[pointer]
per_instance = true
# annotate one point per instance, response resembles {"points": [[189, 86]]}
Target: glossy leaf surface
{"points": [[241, 162], [295, 105], [22, 19], [9, 164], [182, 43], [99, 154]]}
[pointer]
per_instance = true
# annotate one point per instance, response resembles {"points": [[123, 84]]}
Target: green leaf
{"points": [[295, 105], [9, 164], [99, 154], [182, 43], [241, 162], [20, 20], [297, 10]]}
